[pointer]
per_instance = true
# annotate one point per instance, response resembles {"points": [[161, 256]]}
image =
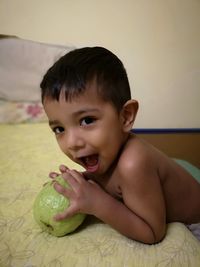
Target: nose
{"points": [[73, 141]]}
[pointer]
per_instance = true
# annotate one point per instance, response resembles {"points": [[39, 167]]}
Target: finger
{"points": [[60, 216], [63, 168], [92, 182], [72, 181], [66, 192], [67, 176], [65, 214], [45, 184], [77, 175], [53, 175], [95, 184]]}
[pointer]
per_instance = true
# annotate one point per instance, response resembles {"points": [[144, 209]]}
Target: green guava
{"points": [[48, 203]]}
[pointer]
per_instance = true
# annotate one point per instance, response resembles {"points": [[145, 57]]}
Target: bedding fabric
{"points": [[21, 112], [27, 153]]}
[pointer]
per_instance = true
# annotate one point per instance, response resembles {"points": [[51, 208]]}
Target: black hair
{"points": [[75, 70]]}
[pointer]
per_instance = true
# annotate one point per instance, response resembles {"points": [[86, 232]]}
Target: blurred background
{"points": [[157, 40]]}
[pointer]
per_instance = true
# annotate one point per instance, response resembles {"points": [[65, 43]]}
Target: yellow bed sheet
{"points": [[27, 153]]}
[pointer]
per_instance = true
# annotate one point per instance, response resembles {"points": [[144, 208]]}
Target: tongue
{"points": [[91, 160]]}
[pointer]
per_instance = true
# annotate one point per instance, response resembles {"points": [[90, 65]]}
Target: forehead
{"points": [[90, 96], [90, 99]]}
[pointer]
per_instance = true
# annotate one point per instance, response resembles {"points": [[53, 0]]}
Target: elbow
{"points": [[156, 240], [161, 234], [157, 237], [154, 237], [149, 239], [153, 240]]}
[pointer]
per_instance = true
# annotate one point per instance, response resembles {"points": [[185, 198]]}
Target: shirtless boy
{"points": [[127, 182]]}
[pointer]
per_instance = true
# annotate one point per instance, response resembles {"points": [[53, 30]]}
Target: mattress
{"points": [[28, 152]]}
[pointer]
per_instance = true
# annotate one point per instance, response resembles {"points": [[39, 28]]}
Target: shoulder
{"points": [[137, 159], [136, 152]]}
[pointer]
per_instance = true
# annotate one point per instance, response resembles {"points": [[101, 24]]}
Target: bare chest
{"points": [[112, 185]]}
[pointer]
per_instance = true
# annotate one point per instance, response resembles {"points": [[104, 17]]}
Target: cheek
{"points": [[61, 144], [105, 140]]}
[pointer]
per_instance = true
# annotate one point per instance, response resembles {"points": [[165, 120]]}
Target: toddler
{"points": [[127, 183]]}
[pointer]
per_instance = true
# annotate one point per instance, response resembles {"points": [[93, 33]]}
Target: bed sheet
{"points": [[27, 153]]}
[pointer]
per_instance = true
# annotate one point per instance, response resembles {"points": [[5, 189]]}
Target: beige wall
{"points": [[158, 41]]}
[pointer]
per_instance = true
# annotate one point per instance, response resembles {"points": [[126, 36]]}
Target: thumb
{"points": [[92, 182], [69, 212]]}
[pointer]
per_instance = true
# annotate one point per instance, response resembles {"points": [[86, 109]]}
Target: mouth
{"points": [[90, 162]]}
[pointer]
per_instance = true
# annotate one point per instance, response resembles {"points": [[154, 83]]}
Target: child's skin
{"points": [[128, 183]]}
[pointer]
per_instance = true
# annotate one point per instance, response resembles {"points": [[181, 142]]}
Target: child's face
{"points": [[88, 130]]}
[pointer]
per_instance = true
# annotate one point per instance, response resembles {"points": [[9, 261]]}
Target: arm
{"points": [[88, 197], [144, 197], [142, 215]]}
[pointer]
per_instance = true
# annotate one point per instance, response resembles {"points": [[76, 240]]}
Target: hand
{"points": [[62, 169], [84, 196]]}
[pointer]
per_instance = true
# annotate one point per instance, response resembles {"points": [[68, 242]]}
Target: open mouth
{"points": [[90, 163]]}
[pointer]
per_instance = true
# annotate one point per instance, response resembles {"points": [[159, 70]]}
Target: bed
{"points": [[28, 151]]}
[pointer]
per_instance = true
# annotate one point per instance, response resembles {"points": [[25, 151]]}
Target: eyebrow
{"points": [[82, 111], [77, 113], [53, 122]]}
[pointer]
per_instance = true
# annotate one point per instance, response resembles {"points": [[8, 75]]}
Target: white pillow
{"points": [[22, 66]]}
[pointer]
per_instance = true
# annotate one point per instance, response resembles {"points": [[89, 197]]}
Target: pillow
{"points": [[193, 170], [21, 112], [23, 64]]}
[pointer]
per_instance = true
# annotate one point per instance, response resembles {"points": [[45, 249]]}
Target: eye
{"points": [[58, 130], [87, 120]]}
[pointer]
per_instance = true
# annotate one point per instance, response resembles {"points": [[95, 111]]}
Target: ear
{"points": [[128, 114]]}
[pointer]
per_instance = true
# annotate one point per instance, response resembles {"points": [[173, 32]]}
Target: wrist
{"points": [[104, 205]]}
